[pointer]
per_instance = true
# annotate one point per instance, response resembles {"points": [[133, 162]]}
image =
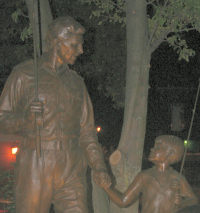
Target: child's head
{"points": [[167, 147]]}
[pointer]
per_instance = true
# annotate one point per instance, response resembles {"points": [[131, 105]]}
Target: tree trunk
{"points": [[100, 200], [45, 19], [126, 161]]}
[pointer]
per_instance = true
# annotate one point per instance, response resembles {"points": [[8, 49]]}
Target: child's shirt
{"points": [[158, 191]]}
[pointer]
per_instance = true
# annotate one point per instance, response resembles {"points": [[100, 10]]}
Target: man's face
{"points": [[159, 153], [70, 48]]}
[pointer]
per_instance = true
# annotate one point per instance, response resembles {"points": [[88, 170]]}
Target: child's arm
{"points": [[128, 197], [186, 193]]}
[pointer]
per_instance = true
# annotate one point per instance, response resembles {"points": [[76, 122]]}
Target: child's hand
{"points": [[103, 180], [176, 188]]}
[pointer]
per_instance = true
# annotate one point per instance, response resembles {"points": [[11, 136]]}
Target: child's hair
{"points": [[175, 143]]}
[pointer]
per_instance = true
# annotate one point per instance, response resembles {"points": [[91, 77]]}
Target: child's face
{"points": [[159, 152]]}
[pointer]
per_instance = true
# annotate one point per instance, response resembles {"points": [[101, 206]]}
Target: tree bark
{"points": [[100, 199], [126, 165]]}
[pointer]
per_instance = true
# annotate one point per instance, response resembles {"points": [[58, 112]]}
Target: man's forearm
{"points": [[95, 157]]}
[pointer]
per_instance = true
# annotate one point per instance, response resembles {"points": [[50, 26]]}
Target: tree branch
{"points": [[150, 2], [187, 29], [157, 42], [24, 15], [116, 5], [156, 27], [163, 37]]}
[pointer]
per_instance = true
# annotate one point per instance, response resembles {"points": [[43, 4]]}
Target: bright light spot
{"points": [[14, 150], [185, 142], [98, 129]]}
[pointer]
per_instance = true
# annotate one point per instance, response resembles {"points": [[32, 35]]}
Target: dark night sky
{"points": [[172, 81], [166, 70]]}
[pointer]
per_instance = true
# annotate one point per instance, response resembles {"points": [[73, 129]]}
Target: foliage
{"points": [[170, 18], [165, 17], [12, 49], [108, 10], [21, 15], [168, 21]]}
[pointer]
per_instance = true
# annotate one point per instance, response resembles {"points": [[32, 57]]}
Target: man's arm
{"points": [[88, 140]]}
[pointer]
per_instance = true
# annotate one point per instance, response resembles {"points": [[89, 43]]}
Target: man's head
{"points": [[66, 36], [167, 148]]}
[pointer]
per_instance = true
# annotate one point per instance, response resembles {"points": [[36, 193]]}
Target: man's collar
{"points": [[62, 69], [45, 64]]}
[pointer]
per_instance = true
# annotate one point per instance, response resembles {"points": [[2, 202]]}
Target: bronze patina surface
{"points": [[67, 132], [161, 188]]}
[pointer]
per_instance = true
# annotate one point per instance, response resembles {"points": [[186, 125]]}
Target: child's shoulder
{"points": [[175, 174], [147, 172], [152, 171]]}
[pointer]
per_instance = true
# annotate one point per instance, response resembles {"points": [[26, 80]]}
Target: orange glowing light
{"points": [[14, 150], [98, 129]]}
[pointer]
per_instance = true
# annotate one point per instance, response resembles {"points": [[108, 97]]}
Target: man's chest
{"points": [[54, 89]]}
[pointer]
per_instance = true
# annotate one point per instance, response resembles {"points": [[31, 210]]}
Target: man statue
{"points": [[67, 133]]}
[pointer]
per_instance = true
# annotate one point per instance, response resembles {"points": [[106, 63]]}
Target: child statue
{"points": [[162, 189]]}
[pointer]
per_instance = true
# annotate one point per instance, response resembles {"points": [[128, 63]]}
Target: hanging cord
{"points": [[177, 190], [190, 129]]}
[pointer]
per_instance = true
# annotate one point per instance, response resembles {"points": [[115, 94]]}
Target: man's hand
{"points": [[36, 107], [102, 179]]}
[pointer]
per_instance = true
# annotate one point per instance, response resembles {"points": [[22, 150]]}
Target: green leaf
{"points": [[15, 15], [26, 33]]}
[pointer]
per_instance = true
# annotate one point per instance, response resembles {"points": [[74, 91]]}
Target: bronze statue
{"points": [[67, 134], [162, 189], [190, 209]]}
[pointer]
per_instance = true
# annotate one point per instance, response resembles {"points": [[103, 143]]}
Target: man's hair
{"points": [[175, 143], [63, 27]]}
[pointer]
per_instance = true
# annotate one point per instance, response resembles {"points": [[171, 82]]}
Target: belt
{"points": [[50, 145]]}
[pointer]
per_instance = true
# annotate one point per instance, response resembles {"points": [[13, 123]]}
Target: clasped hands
{"points": [[102, 179], [36, 108]]}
